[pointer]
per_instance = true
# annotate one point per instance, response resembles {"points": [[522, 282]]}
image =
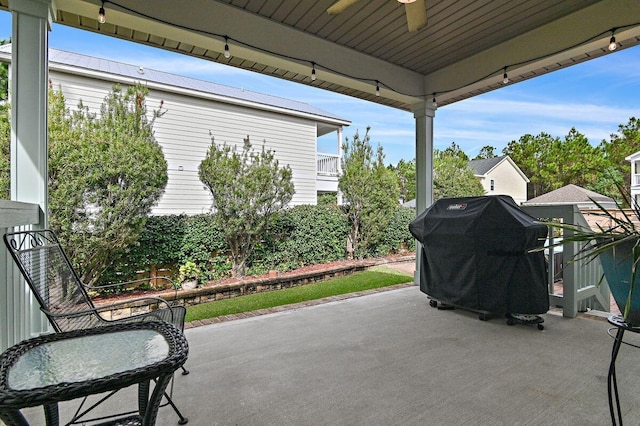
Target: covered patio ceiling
{"points": [[462, 52]]}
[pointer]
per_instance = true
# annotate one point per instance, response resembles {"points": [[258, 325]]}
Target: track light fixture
{"points": [[101, 15]]}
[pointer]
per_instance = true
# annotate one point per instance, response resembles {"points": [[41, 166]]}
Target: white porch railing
{"points": [[635, 179], [20, 316], [580, 290], [328, 164]]}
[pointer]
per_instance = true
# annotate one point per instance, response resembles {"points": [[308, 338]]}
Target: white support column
{"points": [[339, 194], [424, 113], [31, 21]]}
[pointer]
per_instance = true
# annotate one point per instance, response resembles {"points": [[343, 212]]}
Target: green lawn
{"points": [[380, 276]]}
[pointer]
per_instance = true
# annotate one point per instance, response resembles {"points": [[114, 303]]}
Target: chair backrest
{"points": [[54, 282]]}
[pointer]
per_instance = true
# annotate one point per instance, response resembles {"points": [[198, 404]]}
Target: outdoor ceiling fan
{"points": [[415, 10]]}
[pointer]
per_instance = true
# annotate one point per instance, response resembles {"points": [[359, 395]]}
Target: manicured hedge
{"points": [[302, 235]]}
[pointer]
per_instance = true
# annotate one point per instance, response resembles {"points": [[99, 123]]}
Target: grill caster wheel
{"points": [[510, 321], [540, 327], [433, 303]]}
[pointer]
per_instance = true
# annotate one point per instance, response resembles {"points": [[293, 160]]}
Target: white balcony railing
{"points": [[635, 179], [328, 164], [20, 316]]}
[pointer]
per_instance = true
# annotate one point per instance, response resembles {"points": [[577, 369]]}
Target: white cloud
{"points": [[572, 112]]}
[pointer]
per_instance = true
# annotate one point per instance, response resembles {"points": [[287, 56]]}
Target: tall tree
{"points": [[370, 192], [577, 161], [406, 173], [486, 152], [618, 147], [551, 162], [452, 176], [106, 172], [249, 188], [533, 156]]}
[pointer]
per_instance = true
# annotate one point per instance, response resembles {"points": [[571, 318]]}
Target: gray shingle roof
{"points": [[91, 63], [570, 194], [481, 167]]}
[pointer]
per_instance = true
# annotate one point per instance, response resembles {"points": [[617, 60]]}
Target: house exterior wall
{"points": [[634, 159], [507, 181], [183, 134]]}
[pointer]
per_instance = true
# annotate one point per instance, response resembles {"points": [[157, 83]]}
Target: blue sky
{"points": [[594, 97]]}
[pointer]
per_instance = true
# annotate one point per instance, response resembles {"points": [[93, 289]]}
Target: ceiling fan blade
{"points": [[340, 6], [416, 15]]}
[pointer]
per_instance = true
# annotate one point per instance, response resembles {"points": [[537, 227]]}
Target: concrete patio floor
{"points": [[391, 359]]}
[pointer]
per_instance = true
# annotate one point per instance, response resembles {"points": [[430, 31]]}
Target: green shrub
{"points": [[303, 235], [328, 199], [203, 243], [396, 236], [160, 244]]}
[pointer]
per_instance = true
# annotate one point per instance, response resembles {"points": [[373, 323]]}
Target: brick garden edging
{"points": [[251, 285]]}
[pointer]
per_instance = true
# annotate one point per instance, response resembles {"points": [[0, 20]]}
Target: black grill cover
{"points": [[476, 255]]}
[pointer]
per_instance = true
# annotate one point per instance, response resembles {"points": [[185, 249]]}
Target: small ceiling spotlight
{"points": [[505, 77], [313, 71], [377, 88]]}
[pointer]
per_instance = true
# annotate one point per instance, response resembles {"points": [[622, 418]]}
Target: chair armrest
{"points": [[96, 310], [151, 299]]}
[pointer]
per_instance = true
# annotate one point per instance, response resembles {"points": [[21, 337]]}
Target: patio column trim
{"points": [[424, 114], [31, 21]]}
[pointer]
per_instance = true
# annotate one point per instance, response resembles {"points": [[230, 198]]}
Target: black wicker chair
{"points": [[64, 298]]}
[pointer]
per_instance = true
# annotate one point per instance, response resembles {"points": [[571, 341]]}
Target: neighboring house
{"points": [[501, 176], [573, 194], [634, 159], [194, 108]]}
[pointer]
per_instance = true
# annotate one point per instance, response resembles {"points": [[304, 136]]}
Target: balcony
{"points": [[328, 164], [328, 170]]}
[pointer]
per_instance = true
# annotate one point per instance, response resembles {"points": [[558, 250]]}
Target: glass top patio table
{"points": [[63, 366]]}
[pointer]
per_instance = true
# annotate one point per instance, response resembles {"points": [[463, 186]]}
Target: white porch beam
{"points": [[424, 113], [31, 20]]}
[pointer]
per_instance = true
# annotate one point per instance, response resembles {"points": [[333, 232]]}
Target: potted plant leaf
{"points": [[615, 241], [189, 275]]}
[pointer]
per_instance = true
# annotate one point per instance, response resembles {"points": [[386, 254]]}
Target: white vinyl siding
{"points": [[183, 134], [508, 181]]}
